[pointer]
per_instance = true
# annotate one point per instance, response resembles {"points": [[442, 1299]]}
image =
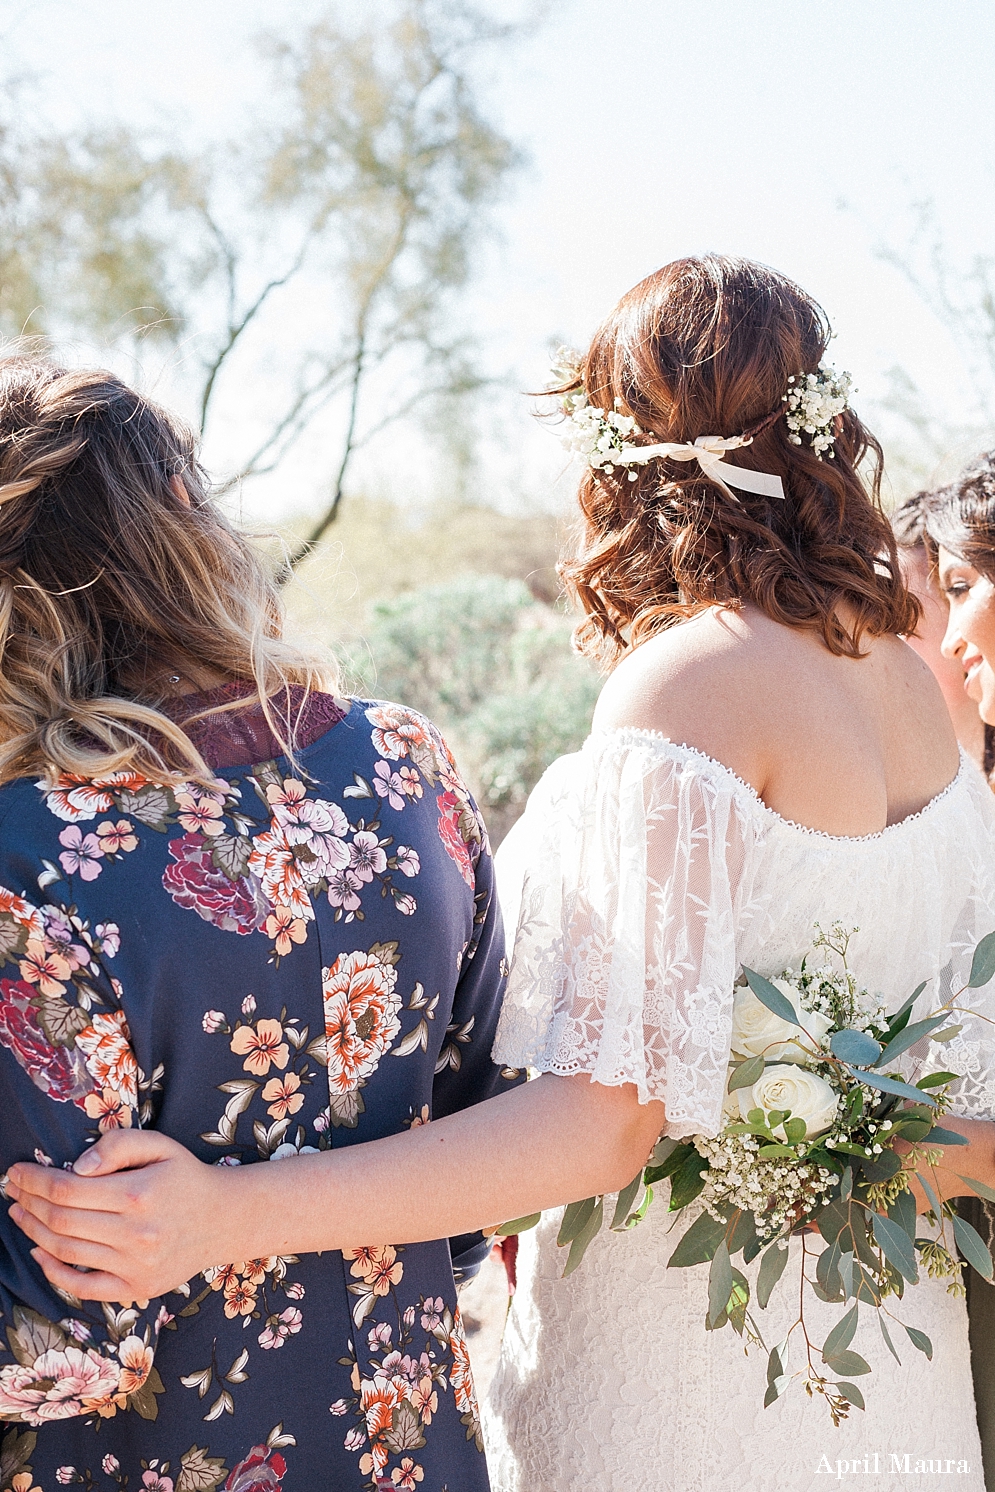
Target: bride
{"points": [[766, 754]]}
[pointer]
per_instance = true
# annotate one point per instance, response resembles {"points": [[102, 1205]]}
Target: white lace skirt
{"points": [[608, 1381]]}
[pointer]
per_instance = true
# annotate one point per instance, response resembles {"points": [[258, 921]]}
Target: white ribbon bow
{"points": [[708, 451]]}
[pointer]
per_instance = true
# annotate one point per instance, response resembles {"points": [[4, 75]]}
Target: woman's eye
{"points": [[956, 588]]}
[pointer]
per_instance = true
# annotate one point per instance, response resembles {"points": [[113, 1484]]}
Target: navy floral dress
{"points": [[288, 961]]}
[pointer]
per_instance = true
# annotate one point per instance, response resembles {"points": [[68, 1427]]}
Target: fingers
{"points": [[68, 1222], [98, 1285], [75, 1251], [63, 1189], [123, 1150]]}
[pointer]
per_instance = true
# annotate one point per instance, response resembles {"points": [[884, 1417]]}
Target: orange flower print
{"points": [[109, 1058], [282, 1096], [361, 1006], [240, 1298], [379, 1268], [47, 970], [27, 916], [407, 1475], [108, 1110], [461, 1376], [220, 1276], [285, 929], [262, 1046], [274, 862], [136, 1364], [24, 1482], [119, 838], [399, 733], [200, 813], [256, 1269], [379, 1397], [425, 1399]]}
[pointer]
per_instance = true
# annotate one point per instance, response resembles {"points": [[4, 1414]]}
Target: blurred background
{"points": [[343, 239]]}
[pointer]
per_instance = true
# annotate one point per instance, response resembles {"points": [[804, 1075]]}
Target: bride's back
{"points": [[846, 746]]}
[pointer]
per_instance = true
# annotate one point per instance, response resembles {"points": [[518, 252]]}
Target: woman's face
{"points": [[970, 634]]}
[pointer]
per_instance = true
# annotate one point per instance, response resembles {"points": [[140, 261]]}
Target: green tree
{"points": [[355, 215]]}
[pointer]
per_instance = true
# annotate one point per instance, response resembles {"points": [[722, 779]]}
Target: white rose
{"points": [[808, 1096], [758, 1032]]}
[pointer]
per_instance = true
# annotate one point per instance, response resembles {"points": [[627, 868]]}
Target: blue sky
{"points": [[798, 133]]}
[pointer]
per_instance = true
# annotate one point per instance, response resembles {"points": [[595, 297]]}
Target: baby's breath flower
{"points": [[814, 401]]}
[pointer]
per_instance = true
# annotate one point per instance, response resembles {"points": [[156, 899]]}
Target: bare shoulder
{"points": [[709, 683]]}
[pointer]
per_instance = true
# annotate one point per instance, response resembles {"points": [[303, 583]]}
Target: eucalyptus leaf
{"points": [[909, 1037], [896, 1246], [979, 1187], [719, 1283], [903, 1212], [880, 1167], [771, 1268], [855, 1046], [768, 994], [746, 1074], [973, 1247], [889, 1085], [841, 1335], [575, 1218], [847, 1362], [775, 1389], [947, 1034], [852, 1392], [887, 1337], [903, 1013], [519, 1225], [921, 1340], [939, 1136], [699, 1243], [927, 1187], [578, 1247], [983, 962], [624, 1205], [936, 1079], [687, 1181]]}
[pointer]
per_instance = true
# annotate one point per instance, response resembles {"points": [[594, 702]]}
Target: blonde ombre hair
{"points": [[109, 581]]}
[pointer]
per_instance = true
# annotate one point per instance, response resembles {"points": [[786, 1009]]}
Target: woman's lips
{"points": [[972, 682]]}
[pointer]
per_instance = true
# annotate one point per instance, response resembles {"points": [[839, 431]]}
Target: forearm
{"points": [[548, 1142], [975, 1160]]}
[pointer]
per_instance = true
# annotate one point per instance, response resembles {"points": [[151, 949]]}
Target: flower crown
{"points": [[814, 401]]}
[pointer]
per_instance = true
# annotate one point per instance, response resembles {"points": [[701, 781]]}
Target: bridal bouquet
{"points": [[814, 1108]]}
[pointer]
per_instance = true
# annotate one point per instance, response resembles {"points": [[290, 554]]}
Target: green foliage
{"points": [[493, 668]]}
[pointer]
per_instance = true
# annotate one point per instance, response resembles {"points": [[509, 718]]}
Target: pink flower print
{"points": [[83, 853], [119, 838], [289, 797], [214, 1020], [341, 1406], [59, 1384], [285, 929], [409, 1317], [366, 857], [380, 1336], [407, 1474], [108, 1110], [249, 1005], [407, 859], [355, 1440], [405, 904], [110, 1465], [410, 782], [204, 815], [110, 938], [432, 1312], [295, 1290], [64, 1475], [59, 934], [46, 970], [157, 1483], [342, 888], [282, 1097], [78, 1330], [388, 784]]}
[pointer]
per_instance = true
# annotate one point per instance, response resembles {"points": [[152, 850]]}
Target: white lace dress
{"points": [[642, 875]]}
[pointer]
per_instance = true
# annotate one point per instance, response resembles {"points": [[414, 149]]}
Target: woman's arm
{"points": [[143, 1231]]}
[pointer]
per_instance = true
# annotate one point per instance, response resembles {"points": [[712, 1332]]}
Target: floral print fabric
{"points": [[280, 962]]}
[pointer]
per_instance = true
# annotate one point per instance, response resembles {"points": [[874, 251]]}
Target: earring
{"points": [[174, 678]]}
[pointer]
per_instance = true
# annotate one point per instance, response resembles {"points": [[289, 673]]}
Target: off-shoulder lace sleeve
{"points": [[630, 879]]}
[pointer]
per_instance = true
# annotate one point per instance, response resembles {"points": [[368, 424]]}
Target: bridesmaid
{"points": [[186, 808], [917, 559], [958, 523]]}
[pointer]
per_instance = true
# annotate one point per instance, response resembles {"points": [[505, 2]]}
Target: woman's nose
{"points": [[953, 643]]}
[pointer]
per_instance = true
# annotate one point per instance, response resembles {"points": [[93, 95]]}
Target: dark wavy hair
{"points": [[705, 346], [961, 516]]}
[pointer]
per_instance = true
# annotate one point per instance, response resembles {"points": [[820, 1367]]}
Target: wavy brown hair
{"points": [[705, 346], [961, 515], [109, 580]]}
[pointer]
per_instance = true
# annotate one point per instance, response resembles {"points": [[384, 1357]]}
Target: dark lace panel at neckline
{"points": [[239, 737]]}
